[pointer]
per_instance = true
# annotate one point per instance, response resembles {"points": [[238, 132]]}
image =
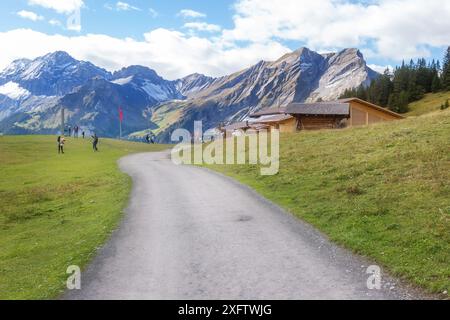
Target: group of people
{"points": [[62, 141], [150, 138], [76, 132]]}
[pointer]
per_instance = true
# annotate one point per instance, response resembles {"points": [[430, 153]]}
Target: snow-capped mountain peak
{"points": [[54, 74], [15, 67], [148, 81]]}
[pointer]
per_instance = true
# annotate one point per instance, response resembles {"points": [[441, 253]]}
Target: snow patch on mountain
{"points": [[123, 81], [14, 91], [155, 91]]}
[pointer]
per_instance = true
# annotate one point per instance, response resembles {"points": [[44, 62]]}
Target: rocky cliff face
{"points": [[189, 86], [32, 92], [346, 69]]}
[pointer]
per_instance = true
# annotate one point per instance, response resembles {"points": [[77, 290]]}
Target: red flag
{"points": [[120, 114]]}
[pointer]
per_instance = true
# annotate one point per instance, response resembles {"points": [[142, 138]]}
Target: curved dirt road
{"points": [[192, 234]]}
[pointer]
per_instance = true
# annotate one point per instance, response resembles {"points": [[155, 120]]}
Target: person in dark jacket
{"points": [[95, 142], [58, 141], [61, 141]]}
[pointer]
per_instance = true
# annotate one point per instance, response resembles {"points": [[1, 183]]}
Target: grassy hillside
{"points": [[431, 102], [56, 209], [383, 191]]}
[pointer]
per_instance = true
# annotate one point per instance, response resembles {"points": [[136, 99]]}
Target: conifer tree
{"points": [[446, 71], [403, 102], [436, 83]]}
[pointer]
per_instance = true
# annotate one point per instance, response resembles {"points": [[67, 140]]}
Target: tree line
{"points": [[408, 83]]}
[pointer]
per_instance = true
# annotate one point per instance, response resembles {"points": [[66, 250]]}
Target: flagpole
{"points": [[120, 122], [62, 121]]}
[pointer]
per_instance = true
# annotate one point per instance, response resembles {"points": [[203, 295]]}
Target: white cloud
{"points": [[124, 6], [74, 27], [189, 13], [394, 29], [380, 69], [153, 12], [29, 15], [202, 26], [55, 23], [60, 6], [172, 54]]}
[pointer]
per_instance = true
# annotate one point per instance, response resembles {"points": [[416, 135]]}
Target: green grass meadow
{"points": [[382, 191], [55, 210], [431, 102]]}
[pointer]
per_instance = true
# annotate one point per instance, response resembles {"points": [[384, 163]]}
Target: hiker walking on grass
{"points": [[150, 138], [83, 134], [61, 142], [95, 142]]}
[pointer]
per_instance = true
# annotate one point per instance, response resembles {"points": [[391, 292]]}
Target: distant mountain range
{"points": [[33, 91]]}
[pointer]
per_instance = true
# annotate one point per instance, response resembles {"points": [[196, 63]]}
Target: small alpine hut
{"points": [[239, 128], [314, 116], [364, 113], [275, 118], [339, 114]]}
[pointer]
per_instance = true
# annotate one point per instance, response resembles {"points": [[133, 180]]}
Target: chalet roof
{"points": [[274, 118], [245, 125], [259, 126], [348, 100], [319, 108], [237, 126], [268, 112]]}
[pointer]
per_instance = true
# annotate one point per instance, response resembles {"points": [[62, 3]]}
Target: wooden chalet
{"points": [[323, 115], [315, 116]]}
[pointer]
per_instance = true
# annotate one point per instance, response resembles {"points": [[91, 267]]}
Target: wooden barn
{"points": [[316, 116], [275, 118], [238, 128], [363, 113], [324, 115]]}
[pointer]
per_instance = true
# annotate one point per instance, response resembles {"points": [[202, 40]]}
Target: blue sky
{"points": [[96, 18], [218, 37]]}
